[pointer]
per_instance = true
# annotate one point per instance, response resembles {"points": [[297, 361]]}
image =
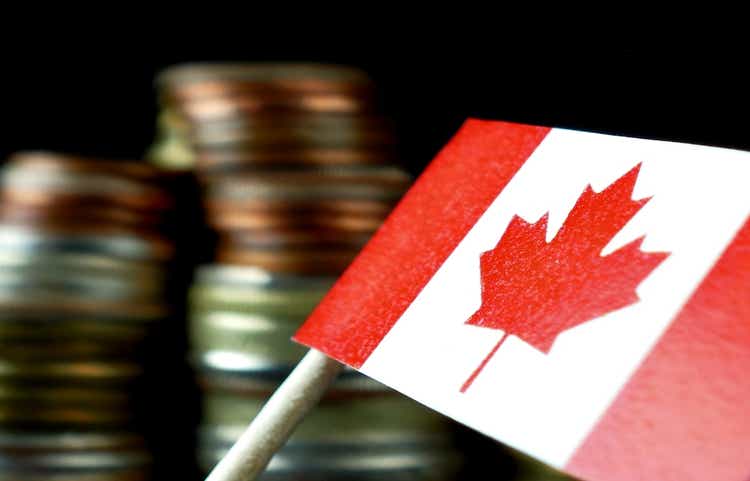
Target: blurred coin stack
{"points": [[81, 289], [297, 171]]}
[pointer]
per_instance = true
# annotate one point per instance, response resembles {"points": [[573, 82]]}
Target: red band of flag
{"points": [[448, 198]]}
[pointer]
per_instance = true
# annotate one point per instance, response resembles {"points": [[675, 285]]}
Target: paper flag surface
{"points": [[581, 297]]}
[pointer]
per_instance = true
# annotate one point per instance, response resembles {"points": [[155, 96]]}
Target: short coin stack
{"points": [[81, 288], [298, 170], [241, 322]]}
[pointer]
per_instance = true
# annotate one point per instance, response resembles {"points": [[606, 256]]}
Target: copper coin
{"points": [[237, 219], [291, 238], [220, 101], [38, 414], [84, 372], [292, 207], [316, 263], [218, 159], [64, 395], [334, 184], [263, 72], [207, 79], [208, 92], [57, 203], [48, 210], [35, 182], [66, 163]]}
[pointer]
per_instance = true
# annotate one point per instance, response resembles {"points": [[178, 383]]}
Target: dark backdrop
{"points": [[99, 99]]}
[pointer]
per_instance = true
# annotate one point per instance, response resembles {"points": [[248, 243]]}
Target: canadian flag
{"points": [[581, 297]]}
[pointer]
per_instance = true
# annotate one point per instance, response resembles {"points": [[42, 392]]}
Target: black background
{"points": [[97, 98]]}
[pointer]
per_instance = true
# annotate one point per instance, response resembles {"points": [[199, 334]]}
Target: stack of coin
{"points": [[298, 169], [82, 273], [297, 165], [240, 323]]}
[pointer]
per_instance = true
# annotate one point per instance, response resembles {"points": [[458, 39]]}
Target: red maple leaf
{"points": [[536, 289]]}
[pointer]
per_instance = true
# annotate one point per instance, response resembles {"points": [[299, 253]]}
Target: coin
{"points": [[343, 439], [227, 274], [39, 183], [44, 454], [19, 208], [41, 303], [30, 413], [243, 341], [334, 132], [227, 159], [102, 328], [34, 281], [92, 372], [297, 168], [286, 303], [21, 240], [253, 88], [83, 259], [41, 348], [300, 75], [49, 455], [72, 163], [77, 396], [84, 264], [372, 184], [312, 262], [249, 220], [217, 372], [290, 238], [41, 441]]}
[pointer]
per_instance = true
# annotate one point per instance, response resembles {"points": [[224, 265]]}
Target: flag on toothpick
{"points": [[584, 298]]}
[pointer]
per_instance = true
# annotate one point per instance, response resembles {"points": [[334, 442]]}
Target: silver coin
{"points": [[101, 460], [84, 264], [25, 240], [226, 274], [248, 376], [67, 441], [52, 282], [369, 437], [246, 338], [292, 304]]}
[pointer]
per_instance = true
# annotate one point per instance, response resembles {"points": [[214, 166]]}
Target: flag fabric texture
{"points": [[578, 296]]}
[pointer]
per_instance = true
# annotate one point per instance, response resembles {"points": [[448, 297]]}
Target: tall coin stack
{"points": [[298, 170], [81, 289]]}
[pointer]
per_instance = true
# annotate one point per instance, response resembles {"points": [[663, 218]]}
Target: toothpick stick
{"points": [[270, 429]]}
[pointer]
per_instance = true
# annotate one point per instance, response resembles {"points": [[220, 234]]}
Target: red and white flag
{"points": [[581, 297]]}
